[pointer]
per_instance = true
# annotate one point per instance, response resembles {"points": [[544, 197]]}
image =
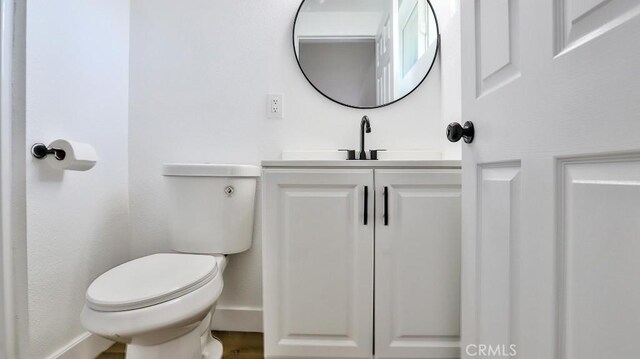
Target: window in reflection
{"points": [[365, 53]]}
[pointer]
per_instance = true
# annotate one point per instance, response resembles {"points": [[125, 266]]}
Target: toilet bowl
{"points": [[161, 305]]}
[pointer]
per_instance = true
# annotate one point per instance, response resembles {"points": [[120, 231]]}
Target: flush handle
{"points": [[455, 132]]}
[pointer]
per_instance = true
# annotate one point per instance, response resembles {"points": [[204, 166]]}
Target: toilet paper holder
{"points": [[40, 151]]}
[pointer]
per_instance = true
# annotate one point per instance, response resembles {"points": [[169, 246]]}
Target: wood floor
{"points": [[236, 345]]}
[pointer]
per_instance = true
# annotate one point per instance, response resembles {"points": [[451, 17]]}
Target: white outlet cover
{"points": [[275, 106]]}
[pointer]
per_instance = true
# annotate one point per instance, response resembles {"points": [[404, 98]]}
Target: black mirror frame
{"points": [[435, 56]]}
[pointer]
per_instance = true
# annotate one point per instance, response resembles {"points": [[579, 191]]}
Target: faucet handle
{"points": [[351, 154], [374, 154]]}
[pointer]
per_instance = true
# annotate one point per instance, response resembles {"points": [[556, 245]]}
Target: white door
{"points": [[10, 206], [318, 263], [551, 183], [417, 264], [384, 62], [3, 239]]}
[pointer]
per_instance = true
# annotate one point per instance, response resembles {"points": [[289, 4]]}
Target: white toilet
{"points": [[161, 305]]}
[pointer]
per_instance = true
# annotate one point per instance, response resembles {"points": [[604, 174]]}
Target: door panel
{"points": [[580, 21], [318, 271], [417, 265], [499, 203], [559, 114], [498, 43], [599, 258]]}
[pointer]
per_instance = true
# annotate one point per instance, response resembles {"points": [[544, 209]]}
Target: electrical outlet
{"points": [[275, 107]]}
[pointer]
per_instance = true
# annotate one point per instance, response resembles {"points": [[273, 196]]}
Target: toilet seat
{"points": [[150, 280], [160, 322]]}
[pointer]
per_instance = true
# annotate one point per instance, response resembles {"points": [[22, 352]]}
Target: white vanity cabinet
{"points": [[318, 263], [417, 264], [345, 279]]}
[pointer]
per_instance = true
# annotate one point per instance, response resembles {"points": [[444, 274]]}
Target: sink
{"points": [[334, 155], [337, 159]]}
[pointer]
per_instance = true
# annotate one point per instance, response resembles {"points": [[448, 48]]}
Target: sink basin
{"points": [[334, 155]]}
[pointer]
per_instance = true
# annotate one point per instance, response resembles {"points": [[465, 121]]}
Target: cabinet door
{"points": [[318, 263], [417, 264]]}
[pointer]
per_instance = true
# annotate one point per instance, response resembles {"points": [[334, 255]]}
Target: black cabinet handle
{"points": [[366, 205], [386, 206]]}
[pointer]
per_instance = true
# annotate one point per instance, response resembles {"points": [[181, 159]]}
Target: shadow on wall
{"points": [[46, 173]]}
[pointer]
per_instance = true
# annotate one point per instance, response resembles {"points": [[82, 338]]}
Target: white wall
{"points": [[77, 222], [451, 64], [200, 74]]}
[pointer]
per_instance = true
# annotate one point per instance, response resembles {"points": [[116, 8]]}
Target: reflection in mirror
{"points": [[365, 53]]}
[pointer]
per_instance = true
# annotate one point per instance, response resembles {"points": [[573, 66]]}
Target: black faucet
{"points": [[365, 126]]}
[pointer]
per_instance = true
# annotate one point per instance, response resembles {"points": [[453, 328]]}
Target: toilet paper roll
{"points": [[78, 156]]}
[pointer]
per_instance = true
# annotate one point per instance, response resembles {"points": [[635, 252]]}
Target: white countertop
{"points": [[361, 164]]}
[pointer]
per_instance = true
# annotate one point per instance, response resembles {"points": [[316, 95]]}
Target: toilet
{"points": [[161, 305]]}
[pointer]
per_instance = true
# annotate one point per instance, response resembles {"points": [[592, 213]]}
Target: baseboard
{"points": [[237, 319], [85, 346]]}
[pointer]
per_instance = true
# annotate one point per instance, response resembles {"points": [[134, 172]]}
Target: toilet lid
{"points": [[150, 280]]}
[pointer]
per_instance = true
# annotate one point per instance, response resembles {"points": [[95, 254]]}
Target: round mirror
{"points": [[366, 53]]}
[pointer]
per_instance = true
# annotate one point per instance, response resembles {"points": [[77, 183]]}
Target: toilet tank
{"points": [[211, 207]]}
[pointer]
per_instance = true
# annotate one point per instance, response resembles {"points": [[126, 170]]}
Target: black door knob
{"points": [[455, 132]]}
